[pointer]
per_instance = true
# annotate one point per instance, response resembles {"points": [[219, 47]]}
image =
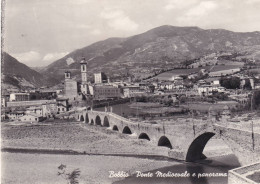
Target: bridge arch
{"points": [[115, 128], [127, 130], [164, 141], [86, 118], [92, 122], [98, 120], [106, 122], [81, 118], [144, 136], [195, 151]]}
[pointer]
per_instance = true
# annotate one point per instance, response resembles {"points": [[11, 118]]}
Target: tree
{"points": [[230, 83], [247, 84], [72, 177], [256, 100]]}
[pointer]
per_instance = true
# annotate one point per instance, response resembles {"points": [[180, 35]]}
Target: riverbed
{"points": [[98, 150]]}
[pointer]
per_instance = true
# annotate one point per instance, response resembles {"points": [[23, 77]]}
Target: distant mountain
{"points": [[38, 69], [159, 48], [19, 75]]}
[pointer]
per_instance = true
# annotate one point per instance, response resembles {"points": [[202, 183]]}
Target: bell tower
{"points": [[84, 79], [67, 75]]}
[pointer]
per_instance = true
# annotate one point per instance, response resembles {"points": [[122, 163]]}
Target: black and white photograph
{"points": [[130, 92]]}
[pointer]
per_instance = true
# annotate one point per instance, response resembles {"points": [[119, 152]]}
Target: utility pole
{"points": [[252, 123], [253, 138], [252, 101]]}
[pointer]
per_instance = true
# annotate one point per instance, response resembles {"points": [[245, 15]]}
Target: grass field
{"points": [[168, 75], [204, 107]]}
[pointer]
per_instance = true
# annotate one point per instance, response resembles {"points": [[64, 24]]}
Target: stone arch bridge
{"points": [[185, 138]]}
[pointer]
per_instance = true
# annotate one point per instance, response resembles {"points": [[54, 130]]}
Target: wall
{"points": [[28, 103], [238, 175], [184, 135], [71, 88]]}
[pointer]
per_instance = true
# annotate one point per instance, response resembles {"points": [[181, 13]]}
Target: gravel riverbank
{"points": [[65, 138]]}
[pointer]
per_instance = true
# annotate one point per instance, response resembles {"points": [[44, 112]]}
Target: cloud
{"points": [[82, 26], [252, 1], [78, 2], [95, 32], [28, 58], [177, 4], [54, 56], [202, 9], [118, 20], [198, 12]]}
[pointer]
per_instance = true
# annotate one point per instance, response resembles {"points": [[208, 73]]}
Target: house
{"points": [[176, 78], [62, 105], [166, 85], [132, 91], [215, 83], [106, 91], [31, 118], [257, 85], [34, 110], [100, 78], [5, 97], [15, 115], [49, 109], [206, 90], [19, 97]]}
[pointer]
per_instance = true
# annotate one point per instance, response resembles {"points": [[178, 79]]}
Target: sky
{"points": [[38, 32]]}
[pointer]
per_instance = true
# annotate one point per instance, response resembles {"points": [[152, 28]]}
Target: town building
{"points": [[43, 94], [132, 91], [19, 97], [84, 79], [206, 90], [100, 78], [27, 103], [71, 87], [5, 97], [15, 115], [49, 109], [31, 118], [105, 91], [62, 105], [34, 110]]}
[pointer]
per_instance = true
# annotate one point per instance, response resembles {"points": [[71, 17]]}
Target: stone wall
{"points": [[238, 175], [185, 137], [28, 103]]}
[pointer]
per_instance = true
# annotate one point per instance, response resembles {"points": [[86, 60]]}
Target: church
{"points": [[75, 90], [101, 89]]}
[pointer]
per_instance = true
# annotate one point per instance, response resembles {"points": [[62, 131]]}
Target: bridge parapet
{"points": [[186, 138]]}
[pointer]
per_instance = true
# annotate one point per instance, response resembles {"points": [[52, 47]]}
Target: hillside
{"points": [[160, 48], [19, 75]]}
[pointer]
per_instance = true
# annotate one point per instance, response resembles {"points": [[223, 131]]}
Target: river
{"points": [[121, 109]]}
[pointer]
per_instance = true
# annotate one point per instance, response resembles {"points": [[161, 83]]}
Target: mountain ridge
{"points": [[20, 75], [162, 45]]}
